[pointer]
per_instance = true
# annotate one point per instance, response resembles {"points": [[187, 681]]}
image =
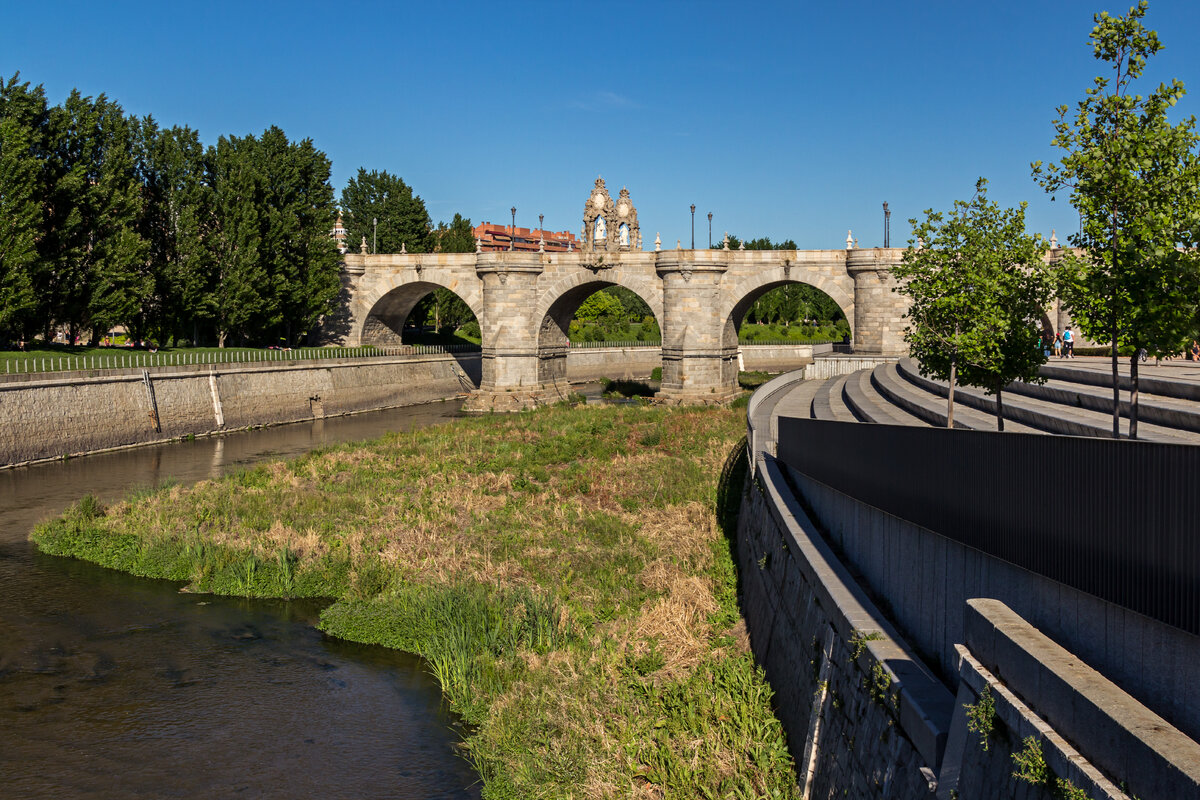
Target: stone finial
{"points": [[569, 248], [542, 242], [478, 245], [725, 241], [1053, 240], [362, 248], [920, 243], [849, 240], [742, 244], [657, 242], [403, 250], [678, 245], [856, 243]]}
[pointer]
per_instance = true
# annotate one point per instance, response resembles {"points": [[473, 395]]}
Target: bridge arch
{"points": [[743, 295], [389, 306], [557, 306]]}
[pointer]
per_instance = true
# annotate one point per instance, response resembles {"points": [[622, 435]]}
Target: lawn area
{"points": [[565, 573]]}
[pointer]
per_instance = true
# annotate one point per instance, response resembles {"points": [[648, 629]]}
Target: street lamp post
{"points": [[512, 239], [542, 223], [887, 225], [693, 226], [374, 235], [710, 230]]}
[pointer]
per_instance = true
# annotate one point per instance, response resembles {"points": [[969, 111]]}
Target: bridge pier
{"points": [[512, 373], [699, 364], [878, 310]]}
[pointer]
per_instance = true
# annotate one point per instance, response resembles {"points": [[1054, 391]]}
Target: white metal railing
{"points": [[135, 359]]}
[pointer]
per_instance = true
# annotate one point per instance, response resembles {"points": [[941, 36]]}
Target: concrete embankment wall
{"points": [[587, 364], [65, 413], [874, 707], [48, 415]]}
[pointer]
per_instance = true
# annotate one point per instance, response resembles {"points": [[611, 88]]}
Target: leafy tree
{"points": [[241, 295], [175, 221], [457, 237], [296, 216], [1134, 178], [96, 274], [977, 288], [23, 120], [443, 309], [633, 307], [602, 309], [403, 219]]}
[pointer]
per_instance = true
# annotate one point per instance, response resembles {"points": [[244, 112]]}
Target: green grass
{"points": [[563, 572], [761, 333]]}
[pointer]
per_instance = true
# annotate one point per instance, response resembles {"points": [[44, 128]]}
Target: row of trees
{"points": [[979, 285], [107, 219]]}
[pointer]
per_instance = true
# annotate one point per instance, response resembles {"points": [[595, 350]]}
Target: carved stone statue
{"points": [[362, 248]]}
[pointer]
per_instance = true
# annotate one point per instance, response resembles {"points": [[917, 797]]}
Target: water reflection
{"points": [[115, 686]]}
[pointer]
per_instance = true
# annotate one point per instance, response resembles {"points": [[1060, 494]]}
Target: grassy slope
{"points": [[562, 571]]}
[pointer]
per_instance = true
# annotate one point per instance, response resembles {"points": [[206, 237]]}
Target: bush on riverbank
{"points": [[563, 572]]}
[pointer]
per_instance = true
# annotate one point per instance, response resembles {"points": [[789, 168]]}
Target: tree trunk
{"points": [[1116, 379], [1133, 394], [950, 396], [1000, 408]]}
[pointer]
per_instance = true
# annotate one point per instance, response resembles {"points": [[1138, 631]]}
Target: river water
{"points": [[119, 687]]}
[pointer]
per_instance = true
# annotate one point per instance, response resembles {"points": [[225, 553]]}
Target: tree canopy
{"points": [[978, 287], [381, 208], [1135, 179], [109, 220]]}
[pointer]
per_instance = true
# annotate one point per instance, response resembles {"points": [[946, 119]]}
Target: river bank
{"points": [[563, 572]]}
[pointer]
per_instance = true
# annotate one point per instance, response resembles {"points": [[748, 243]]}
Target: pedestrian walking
{"points": [[1058, 345], [1068, 343]]}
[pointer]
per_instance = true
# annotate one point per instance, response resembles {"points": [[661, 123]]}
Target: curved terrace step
{"points": [[828, 404], [931, 407], [1166, 411], [1046, 415], [868, 404]]}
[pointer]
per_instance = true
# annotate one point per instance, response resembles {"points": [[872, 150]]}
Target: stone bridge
{"points": [[524, 302]]}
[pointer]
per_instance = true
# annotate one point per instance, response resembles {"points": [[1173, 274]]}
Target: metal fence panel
{"points": [[1116, 519]]}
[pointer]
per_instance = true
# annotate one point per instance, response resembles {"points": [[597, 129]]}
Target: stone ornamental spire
{"points": [[362, 248], [725, 241], [542, 242], [742, 244], [657, 242], [478, 245], [849, 240], [1053, 240]]}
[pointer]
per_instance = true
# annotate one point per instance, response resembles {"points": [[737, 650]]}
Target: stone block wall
{"points": [[77, 412], [864, 717]]}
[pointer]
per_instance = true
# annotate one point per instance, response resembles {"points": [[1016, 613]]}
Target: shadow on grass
{"points": [[729, 499]]}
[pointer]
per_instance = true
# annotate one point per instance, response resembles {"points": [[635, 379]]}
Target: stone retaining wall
{"points": [[68, 413], [840, 598]]}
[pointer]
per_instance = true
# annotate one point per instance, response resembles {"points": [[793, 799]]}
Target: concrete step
{"points": [[1166, 411], [1045, 415], [931, 407], [1100, 375], [869, 405], [796, 403], [827, 402]]}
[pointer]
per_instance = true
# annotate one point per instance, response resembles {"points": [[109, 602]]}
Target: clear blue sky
{"points": [[789, 120]]}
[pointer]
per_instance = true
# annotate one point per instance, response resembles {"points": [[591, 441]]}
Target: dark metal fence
{"points": [[1116, 519]]}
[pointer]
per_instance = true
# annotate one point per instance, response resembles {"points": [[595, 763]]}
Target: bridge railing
{"points": [[138, 359]]}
